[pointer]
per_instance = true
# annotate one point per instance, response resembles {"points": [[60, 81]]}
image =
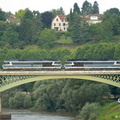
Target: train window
{"points": [[118, 62], [68, 62], [6, 63], [56, 62]]}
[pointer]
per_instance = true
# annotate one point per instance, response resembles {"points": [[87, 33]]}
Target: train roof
{"points": [[93, 60], [29, 60]]}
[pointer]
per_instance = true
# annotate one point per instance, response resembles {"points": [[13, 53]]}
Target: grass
{"points": [[110, 111], [64, 40]]}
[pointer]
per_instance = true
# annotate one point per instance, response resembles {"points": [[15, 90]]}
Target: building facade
{"points": [[59, 23]]}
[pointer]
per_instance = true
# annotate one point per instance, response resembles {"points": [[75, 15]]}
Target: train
{"points": [[87, 64], [53, 64], [39, 64]]}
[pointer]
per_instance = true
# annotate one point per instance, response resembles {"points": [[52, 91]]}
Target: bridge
{"points": [[10, 79]]}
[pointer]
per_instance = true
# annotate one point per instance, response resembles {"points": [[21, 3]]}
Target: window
{"points": [[57, 19], [59, 24], [63, 24], [54, 24]]}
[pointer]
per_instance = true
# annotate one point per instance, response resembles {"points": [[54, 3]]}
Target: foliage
{"points": [[86, 8], [76, 8], [47, 19], [67, 95], [95, 9], [90, 111], [47, 38], [59, 11], [20, 13], [2, 15]]}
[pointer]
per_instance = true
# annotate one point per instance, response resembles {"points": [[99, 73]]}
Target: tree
{"points": [[10, 36], [58, 11], [29, 28], [47, 19], [86, 8], [20, 13], [27, 102], [74, 27], [111, 13], [47, 38], [90, 111], [95, 9], [76, 8], [17, 100], [2, 15]]}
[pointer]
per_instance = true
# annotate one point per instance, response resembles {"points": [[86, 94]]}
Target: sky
{"points": [[47, 5]]}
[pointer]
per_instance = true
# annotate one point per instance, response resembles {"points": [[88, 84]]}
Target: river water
{"points": [[31, 115]]}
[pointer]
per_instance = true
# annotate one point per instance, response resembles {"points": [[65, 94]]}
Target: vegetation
{"points": [[111, 111], [90, 111]]}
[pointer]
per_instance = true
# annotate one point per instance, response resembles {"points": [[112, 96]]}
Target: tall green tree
{"points": [[95, 9], [74, 27], [76, 8], [47, 19], [86, 8], [28, 28], [2, 15]]}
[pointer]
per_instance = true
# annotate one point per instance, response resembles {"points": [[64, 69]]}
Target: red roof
{"points": [[62, 17]]}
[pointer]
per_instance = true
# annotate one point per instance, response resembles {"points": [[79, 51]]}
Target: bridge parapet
{"points": [[58, 72]]}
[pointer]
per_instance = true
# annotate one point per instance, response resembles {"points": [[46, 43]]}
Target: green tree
{"points": [[86, 8], [111, 13], [47, 38], [74, 27], [95, 9], [47, 19], [58, 11], [2, 15], [17, 100], [28, 29], [10, 36], [27, 102], [20, 13], [90, 111], [76, 8]]}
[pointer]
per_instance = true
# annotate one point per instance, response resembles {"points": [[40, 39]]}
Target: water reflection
{"points": [[30, 115]]}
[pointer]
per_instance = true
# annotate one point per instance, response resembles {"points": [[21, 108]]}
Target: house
{"points": [[13, 19], [93, 18], [59, 23]]}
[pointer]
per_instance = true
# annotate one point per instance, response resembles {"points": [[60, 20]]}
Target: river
{"points": [[31, 115]]}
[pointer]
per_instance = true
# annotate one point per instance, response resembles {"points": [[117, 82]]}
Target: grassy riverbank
{"points": [[110, 111]]}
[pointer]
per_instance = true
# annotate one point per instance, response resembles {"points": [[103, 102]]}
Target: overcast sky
{"points": [[47, 5]]}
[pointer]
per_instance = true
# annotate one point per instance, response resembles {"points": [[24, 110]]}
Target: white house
{"points": [[59, 23], [13, 19], [93, 19]]}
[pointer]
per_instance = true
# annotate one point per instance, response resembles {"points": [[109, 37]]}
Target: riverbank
{"points": [[110, 111]]}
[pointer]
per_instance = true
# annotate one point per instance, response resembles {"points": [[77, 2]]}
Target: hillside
{"points": [[110, 111]]}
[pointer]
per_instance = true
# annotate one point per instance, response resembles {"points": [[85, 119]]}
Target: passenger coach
{"points": [[31, 64], [91, 64]]}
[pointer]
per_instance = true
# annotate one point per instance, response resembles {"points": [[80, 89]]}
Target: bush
{"points": [[89, 111]]}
